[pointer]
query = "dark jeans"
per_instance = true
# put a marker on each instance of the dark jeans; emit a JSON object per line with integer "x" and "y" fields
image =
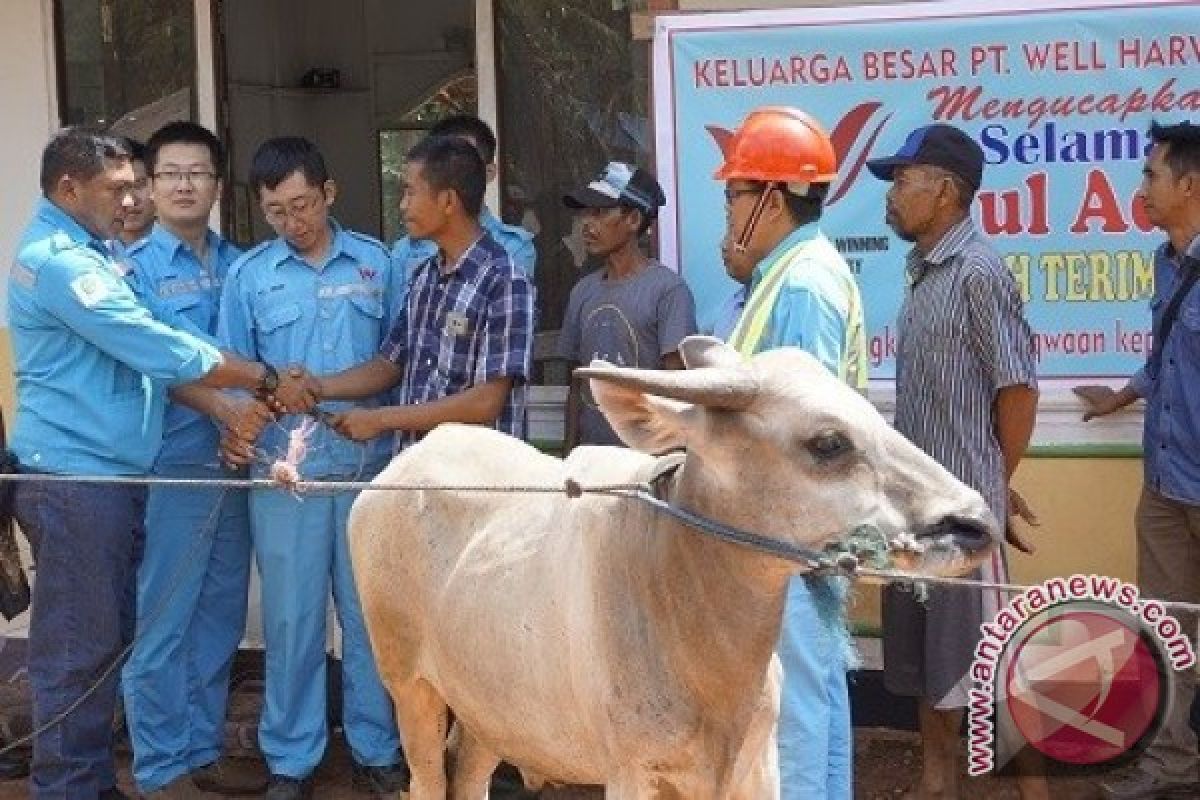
{"x": 86, "y": 540}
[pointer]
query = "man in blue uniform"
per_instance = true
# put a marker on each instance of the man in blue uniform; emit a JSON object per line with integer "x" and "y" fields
{"x": 409, "y": 253}
{"x": 90, "y": 363}
{"x": 193, "y": 581}
{"x": 318, "y": 295}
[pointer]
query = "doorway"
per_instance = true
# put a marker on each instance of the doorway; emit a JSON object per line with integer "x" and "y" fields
{"x": 362, "y": 79}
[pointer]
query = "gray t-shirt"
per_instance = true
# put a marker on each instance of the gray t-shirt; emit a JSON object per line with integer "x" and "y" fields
{"x": 631, "y": 322}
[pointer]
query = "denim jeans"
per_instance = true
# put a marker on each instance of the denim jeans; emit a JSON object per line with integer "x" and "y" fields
{"x": 86, "y": 541}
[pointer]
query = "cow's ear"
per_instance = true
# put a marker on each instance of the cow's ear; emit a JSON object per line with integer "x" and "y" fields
{"x": 643, "y": 421}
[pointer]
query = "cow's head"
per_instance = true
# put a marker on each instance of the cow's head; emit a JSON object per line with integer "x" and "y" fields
{"x": 794, "y": 453}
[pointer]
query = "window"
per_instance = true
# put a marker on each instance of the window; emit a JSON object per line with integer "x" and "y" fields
{"x": 126, "y": 65}
{"x": 573, "y": 95}
{"x": 458, "y": 95}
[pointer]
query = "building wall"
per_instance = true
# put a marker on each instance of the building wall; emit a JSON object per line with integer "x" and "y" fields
{"x": 27, "y": 96}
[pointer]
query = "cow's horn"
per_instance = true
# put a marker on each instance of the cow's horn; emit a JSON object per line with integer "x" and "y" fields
{"x": 705, "y": 351}
{"x": 711, "y": 387}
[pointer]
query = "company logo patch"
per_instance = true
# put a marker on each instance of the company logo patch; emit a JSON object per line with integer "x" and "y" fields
{"x": 89, "y": 289}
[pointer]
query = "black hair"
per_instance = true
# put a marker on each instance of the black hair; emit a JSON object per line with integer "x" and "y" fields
{"x": 81, "y": 153}
{"x": 278, "y": 158}
{"x": 471, "y": 127}
{"x": 806, "y": 208}
{"x": 447, "y": 162}
{"x": 1183, "y": 146}
{"x": 647, "y": 217}
{"x": 137, "y": 150}
{"x": 184, "y": 132}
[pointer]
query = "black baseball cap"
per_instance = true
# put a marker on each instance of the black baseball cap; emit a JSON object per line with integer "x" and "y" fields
{"x": 938, "y": 145}
{"x": 619, "y": 184}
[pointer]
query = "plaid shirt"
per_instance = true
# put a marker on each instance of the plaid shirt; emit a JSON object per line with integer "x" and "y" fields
{"x": 462, "y": 327}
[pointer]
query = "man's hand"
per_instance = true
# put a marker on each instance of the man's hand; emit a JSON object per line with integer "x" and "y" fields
{"x": 1100, "y": 400}
{"x": 234, "y": 451}
{"x": 1018, "y": 508}
{"x": 359, "y": 424}
{"x": 246, "y": 418}
{"x": 298, "y": 393}
{"x": 242, "y": 421}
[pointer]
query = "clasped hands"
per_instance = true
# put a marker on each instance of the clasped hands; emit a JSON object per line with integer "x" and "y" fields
{"x": 244, "y": 418}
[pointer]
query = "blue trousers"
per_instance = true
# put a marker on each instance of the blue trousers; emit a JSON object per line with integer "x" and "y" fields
{"x": 300, "y": 548}
{"x": 86, "y": 541}
{"x": 192, "y": 589}
{"x": 815, "y": 735}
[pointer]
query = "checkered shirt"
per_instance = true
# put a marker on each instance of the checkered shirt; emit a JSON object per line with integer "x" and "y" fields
{"x": 462, "y": 327}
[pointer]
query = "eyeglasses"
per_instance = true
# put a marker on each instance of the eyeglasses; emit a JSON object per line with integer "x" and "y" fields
{"x": 197, "y": 177}
{"x": 732, "y": 194}
{"x": 299, "y": 208}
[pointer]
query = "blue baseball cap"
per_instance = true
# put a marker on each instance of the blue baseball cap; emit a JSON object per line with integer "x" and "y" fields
{"x": 938, "y": 145}
{"x": 620, "y": 184}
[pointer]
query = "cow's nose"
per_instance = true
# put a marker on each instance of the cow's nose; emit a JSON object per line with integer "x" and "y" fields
{"x": 969, "y": 535}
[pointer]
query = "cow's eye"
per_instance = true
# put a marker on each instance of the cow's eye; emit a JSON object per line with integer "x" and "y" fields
{"x": 829, "y": 445}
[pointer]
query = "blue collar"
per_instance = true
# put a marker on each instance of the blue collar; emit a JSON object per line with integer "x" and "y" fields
{"x": 59, "y": 219}
{"x": 163, "y": 237}
{"x": 280, "y": 251}
{"x": 804, "y": 233}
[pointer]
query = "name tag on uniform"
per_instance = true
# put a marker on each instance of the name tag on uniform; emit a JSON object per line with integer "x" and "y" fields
{"x": 456, "y": 324}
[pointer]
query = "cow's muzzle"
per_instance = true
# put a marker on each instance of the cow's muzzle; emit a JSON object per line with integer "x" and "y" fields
{"x": 971, "y": 536}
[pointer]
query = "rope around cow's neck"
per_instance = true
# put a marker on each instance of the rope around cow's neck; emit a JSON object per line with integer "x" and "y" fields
{"x": 828, "y": 560}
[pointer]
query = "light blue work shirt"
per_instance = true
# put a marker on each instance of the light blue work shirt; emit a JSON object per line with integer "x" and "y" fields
{"x": 814, "y": 732}
{"x": 812, "y": 307}
{"x": 1171, "y": 437}
{"x": 184, "y": 293}
{"x": 278, "y": 308}
{"x": 409, "y": 253}
{"x": 728, "y": 313}
{"x": 91, "y": 362}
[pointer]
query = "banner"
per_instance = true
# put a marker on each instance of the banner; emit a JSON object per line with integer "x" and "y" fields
{"x": 1059, "y": 96}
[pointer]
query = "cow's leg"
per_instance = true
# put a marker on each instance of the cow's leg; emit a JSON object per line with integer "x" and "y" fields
{"x": 424, "y": 718}
{"x": 473, "y": 768}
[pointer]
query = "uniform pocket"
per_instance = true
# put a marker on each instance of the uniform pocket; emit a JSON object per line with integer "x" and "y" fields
{"x": 277, "y": 327}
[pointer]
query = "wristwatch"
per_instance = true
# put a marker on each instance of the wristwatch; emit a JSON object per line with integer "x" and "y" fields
{"x": 270, "y": 380}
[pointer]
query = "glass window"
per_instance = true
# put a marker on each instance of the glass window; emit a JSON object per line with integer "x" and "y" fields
{"x": 458, "y": 95}
{"x": 127, "y": 65}
{"x": 573, "y": 95}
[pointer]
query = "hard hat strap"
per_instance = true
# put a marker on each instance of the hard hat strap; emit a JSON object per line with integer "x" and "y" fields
{"x": 743, "y": 240}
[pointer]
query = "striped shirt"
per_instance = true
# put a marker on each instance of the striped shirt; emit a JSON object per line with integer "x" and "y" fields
{"x": 461, "y": 327}
{"x": 962, "y": 336}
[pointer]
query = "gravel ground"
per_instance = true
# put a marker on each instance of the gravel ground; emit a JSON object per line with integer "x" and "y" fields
{"x": 886, "y": 764}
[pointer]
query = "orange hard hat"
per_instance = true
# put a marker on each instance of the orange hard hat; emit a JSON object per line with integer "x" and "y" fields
{"x": 778, "y": 144}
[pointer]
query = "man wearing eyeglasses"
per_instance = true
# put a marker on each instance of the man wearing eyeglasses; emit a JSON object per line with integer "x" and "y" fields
{"x": 321, "y": 297}
{"x": 777, "y": 168}
{"x": 193, "y": 580}
{"x": 91, "y": 364}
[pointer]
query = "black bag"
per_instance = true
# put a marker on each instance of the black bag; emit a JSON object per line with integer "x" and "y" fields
{"x": 14, "y": 586}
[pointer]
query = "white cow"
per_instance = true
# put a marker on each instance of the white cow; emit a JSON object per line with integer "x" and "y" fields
{"x": 595, "y": 640}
